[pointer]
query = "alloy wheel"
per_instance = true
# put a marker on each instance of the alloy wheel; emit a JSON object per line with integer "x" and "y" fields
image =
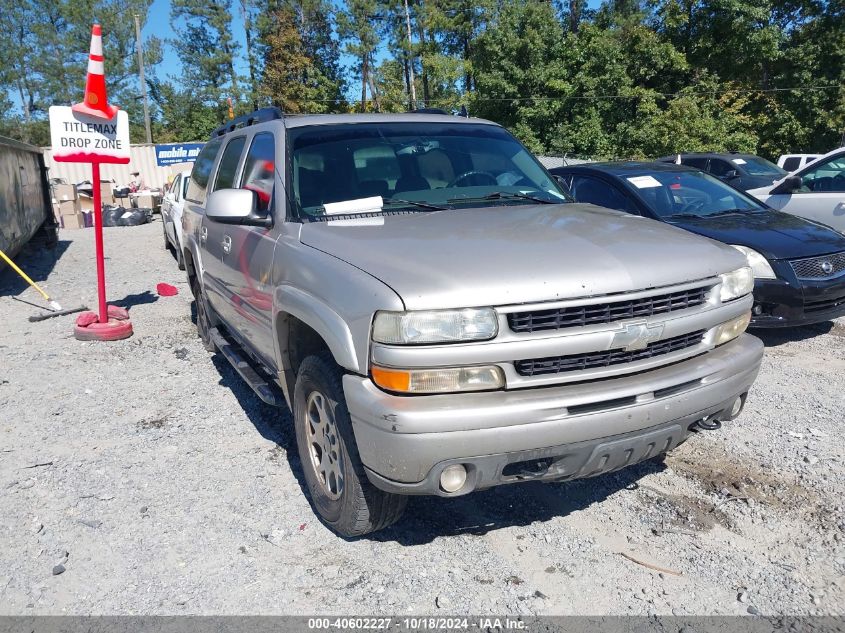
{"x": 324, "y": 444}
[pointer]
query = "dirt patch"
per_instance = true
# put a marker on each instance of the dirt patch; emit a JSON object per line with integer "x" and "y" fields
{"x": 155, "y": 423}
{"x": 730, "y": 478}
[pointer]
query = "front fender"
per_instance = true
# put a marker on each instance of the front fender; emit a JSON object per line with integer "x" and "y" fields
{"x": 323, "y": 319}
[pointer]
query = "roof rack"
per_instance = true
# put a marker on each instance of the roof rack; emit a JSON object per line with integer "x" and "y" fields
{"x": 429, "y": 111}
{"x": 259, "y": 116}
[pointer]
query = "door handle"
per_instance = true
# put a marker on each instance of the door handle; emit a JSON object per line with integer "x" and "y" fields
{"x": 227, "y": 244}
{"x": 203, "y": 234}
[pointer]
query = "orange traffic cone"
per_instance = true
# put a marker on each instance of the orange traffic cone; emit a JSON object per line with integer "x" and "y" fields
{"x": 96, "y": 100}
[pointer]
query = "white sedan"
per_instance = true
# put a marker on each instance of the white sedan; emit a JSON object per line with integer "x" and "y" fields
{"x": 171, "y": 215}
{"x": 815, "y": 192}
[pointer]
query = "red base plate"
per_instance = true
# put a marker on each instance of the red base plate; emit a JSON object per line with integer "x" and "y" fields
{"x": 88, "y": 327}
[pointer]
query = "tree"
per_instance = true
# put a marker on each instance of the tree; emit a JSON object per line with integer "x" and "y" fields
{"x": 207, "y": 50}
{"x": 301, "y": 71}
{"x": 356, "y": 27}
{"x": 44, "y": 53}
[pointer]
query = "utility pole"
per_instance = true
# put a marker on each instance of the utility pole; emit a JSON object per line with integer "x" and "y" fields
{"x": 411, "y": 60}
{"x": 141, "y": 75}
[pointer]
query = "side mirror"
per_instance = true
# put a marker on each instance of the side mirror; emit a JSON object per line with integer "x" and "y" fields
{"x": 730, "y": 175}
{"x": 790, "y": 184}
{"x": 236, "y": 206}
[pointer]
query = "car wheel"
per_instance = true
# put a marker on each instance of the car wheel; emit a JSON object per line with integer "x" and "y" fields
{"x": 203, "y": 322}
{"x": 340, "y": 492}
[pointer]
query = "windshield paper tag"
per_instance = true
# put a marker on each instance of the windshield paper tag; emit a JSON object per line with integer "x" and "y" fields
{"x": 644, "y": 182}
{"x": 360, "y": 205}
{"x": 738, "y": 161}
{"x": 379, "y": 221}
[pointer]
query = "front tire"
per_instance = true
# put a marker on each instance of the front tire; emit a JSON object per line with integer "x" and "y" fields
{"x": 340, "y": 492}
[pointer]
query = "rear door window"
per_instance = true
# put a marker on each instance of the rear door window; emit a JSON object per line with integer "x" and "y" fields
{"x": 792, "y": 163}
{"x": 603, "y": 194}
{"x": 229, "y": 164}
{"x": 721, "y": 168}
{"x": 695, "y": 161}
{"x": 201, "y": 172}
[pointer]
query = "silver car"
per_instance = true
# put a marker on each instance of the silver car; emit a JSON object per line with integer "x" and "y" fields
{"x": 441, "y": 318}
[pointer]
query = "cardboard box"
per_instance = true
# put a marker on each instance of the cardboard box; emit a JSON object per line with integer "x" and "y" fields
{"x": 86, "y": 202}
{"x": 144, "y": 201}
{"x": 126, "y": 202}
{"x": 68, "y": 207}
{"x": 64, "y": 192}
{"x": 75, "y": 221}
{"x": 107, "y": 191}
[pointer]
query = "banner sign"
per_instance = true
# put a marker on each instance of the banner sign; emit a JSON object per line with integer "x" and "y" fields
{"x": 83, "y": 138}
{"x": 176, "y": 153}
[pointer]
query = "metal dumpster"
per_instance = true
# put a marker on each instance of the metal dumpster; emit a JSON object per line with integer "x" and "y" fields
{"x": 25, "y": 201}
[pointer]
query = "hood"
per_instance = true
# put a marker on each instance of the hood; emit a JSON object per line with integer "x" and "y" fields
{"x": 518, "y": 254}
{"x": 773, "y": 234}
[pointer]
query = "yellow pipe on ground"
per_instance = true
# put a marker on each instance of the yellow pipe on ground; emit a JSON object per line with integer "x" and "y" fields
{"x": 53, "y": 304}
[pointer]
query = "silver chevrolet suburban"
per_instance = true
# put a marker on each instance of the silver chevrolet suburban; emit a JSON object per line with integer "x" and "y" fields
{"x": 441, "y": 318}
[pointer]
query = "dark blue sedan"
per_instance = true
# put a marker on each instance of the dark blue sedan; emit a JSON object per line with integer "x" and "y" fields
{"x": 799, "y": 265}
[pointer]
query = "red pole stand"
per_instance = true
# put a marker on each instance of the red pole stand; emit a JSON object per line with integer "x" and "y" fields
{"x": 98, "y": 237}
{"x": 112, "y": 323}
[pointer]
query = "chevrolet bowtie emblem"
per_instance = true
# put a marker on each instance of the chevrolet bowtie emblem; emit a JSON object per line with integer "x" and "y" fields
{"x": 636, "y": 336}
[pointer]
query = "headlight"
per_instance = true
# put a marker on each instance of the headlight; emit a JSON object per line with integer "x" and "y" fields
{"x": 435, "y": 326}
{"x": 731, "y": 329}
{"x": 439, "y": 380}
{"x": 736, "y": 283}
{"x": 760, "y": 266}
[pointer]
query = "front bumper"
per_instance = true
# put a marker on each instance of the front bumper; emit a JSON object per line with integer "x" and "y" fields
{"x": 792, "y": 303}
{"x": 584, "y": 429}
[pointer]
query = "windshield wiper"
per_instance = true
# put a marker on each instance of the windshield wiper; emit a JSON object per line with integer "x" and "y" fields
{"x": 728, "y": 212}
{"x": 691, "y": 216}
{"x": 506, "y": 195}
{"x": 414, "y": 203}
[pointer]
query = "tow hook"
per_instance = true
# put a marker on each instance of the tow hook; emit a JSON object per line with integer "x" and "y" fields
{"x": 712, "y": 423}
{"x": 708, "y": 424}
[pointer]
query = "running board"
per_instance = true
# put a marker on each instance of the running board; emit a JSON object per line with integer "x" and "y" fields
{"x": 268, "y": 392}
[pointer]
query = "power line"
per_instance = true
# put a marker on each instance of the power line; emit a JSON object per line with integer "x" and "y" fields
{"x": 583, "y": 97}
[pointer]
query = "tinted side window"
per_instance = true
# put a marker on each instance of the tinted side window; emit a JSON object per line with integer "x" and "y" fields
{"x": 229, "y": 164}
{"x": 792, "y": 163}
{"x": 598, "y": 192}
{"x": 720, "y": 167}
{"x": 829, "y": 176}
{"x": 259, "y": 169}
{"x": 698, "y": 163}
{"x": 202, "y": 171}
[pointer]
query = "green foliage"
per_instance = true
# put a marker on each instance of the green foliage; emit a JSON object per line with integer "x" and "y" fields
{"x": 631, "y": 79}
{"x": 301, "y": 61}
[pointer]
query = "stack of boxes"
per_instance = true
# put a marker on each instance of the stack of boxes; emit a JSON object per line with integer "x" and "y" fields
{"x": 74, "y": 209}
{"x": 67, "y": 207}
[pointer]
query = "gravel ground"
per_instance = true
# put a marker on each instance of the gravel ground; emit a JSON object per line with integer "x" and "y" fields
{"x": 143, "y": 477}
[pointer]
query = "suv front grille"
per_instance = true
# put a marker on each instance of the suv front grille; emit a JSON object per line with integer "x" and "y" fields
{"x": 822, "y": 267}
{"x": 598, "y": 313}
{"x": 577, "y": 362}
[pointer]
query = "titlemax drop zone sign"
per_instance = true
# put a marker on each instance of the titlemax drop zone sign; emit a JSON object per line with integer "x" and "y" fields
{"x": 81, "y": 138}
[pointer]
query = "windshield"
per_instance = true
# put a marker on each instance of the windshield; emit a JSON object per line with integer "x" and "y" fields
{"x": 757, "y": 166}
{"x": 689, "y": 193}
{"x": 412, "y": 166}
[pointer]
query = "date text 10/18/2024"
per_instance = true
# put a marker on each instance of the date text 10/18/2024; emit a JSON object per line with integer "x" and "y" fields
{"x": 417, "y": 624}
